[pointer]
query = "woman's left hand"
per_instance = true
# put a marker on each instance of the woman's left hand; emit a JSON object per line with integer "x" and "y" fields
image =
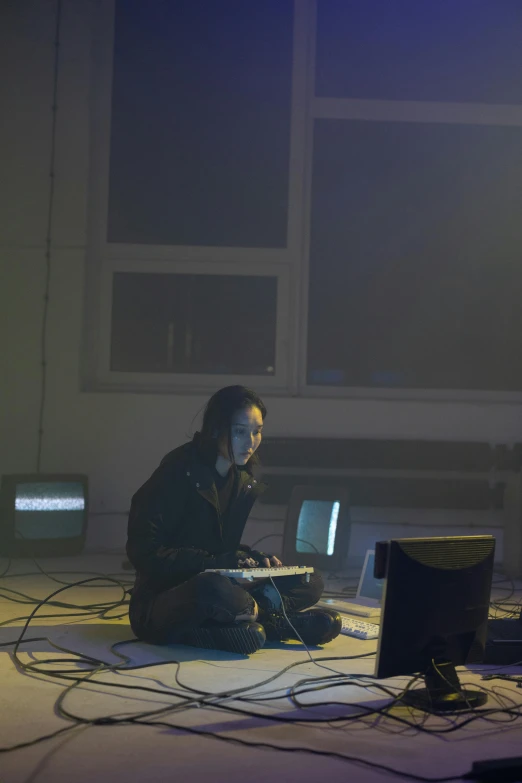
{"x": 274, "y": 561}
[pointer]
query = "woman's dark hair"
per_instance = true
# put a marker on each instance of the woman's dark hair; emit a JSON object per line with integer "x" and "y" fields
{"x": 217, "y": 417}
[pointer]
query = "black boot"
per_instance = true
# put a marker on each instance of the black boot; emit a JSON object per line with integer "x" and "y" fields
{"x": 314, "y": 626}
{"x": 245, "y": 638}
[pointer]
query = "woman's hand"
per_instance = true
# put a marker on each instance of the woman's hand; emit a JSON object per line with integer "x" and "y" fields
{"x": 249, "y": 562}
{"x": 266, "y": 560}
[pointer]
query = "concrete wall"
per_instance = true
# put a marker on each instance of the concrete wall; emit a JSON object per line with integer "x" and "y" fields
{"x": 116, "y": 438}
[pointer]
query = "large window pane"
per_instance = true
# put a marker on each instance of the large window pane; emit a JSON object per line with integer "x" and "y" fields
{"x": 431, "y": 50}
{"x": 415, "y": 267}
{"x": 201, "y": 122}
{"x": 182, "y": 323}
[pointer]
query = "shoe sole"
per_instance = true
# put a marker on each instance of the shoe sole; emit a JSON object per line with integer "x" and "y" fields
{"x": 320, "y": 637}
{"x": 334, "y": 633}
{"x": 312, "y": 641}
{"x": 235, "y": 638}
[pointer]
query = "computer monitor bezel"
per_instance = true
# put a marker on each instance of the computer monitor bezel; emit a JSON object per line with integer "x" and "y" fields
{"x": 10, "y": 546}
{"x": 401, "y": 608}
{"x": 321, "y": 561}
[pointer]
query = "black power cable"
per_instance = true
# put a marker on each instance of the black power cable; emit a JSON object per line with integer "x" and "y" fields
{"x": 48, "y": 240}
{"x": 218, "y": 700}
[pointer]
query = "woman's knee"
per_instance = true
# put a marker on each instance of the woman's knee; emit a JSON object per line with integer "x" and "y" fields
{"x": 227, "y": 599}
{"x": 210, "y": 584}
{"x": 250, "y": 614}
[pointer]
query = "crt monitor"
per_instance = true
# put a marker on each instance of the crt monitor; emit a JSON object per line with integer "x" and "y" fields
{"x": 317, "y": 528}
{"x": 434, "y": 614}
{"x": 43, "y": 514}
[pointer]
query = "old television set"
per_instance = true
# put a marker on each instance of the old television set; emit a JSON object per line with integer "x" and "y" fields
{"x": 434, "y": 615}
{"x": 43, "y": 514}
{"x": 317, "y": 527}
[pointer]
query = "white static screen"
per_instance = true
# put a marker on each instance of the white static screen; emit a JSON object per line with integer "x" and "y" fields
{"x": 317, "y": 526}
{"x": 49, "y": 509}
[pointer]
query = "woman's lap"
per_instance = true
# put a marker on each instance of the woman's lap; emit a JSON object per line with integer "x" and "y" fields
{"x": 210, "y": 596}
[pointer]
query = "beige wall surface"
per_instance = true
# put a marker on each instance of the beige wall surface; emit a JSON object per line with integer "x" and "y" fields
{"x": 116, "y": 438}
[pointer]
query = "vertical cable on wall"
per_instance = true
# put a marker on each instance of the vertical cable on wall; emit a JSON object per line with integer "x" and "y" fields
{"x": 54, "y": 113}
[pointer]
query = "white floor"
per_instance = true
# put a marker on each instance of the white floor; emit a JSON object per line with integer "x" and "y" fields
{"x": 175, "y": 748}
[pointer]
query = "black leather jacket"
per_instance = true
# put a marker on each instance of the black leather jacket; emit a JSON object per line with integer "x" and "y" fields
{"x": 175, "y": 529}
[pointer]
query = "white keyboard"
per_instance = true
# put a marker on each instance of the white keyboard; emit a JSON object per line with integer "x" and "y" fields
{"x": 358, "y": 609}
{"x": 262, "y": 573}
{"x": 359, "y": 629}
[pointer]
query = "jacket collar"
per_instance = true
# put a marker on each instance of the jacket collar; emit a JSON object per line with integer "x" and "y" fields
{"x": 201, "y": 471}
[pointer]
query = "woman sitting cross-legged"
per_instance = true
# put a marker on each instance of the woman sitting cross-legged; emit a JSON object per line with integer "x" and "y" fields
{"x": 189, "y": 516}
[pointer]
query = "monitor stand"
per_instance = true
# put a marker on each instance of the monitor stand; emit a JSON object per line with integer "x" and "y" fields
{"x": 443, "y": 692}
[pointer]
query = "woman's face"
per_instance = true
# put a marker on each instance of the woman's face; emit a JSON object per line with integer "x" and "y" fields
{"x": 246, "y": 433}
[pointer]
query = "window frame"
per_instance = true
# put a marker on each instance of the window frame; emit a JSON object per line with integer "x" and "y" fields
{"x": 292, "y": 263}
{"x": 102, "y": 257}
{"x": 386, "y": 111}
{"x": 164, "y": 380}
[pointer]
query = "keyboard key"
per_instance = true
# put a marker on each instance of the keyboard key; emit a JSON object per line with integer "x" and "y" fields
{"x": 359, "y": 629}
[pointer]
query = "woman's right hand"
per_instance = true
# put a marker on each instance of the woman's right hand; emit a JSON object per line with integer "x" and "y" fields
{"x": 248, "y": 562}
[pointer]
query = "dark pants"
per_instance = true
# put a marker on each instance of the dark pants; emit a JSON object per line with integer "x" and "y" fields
{"x": 210, "y": 597}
